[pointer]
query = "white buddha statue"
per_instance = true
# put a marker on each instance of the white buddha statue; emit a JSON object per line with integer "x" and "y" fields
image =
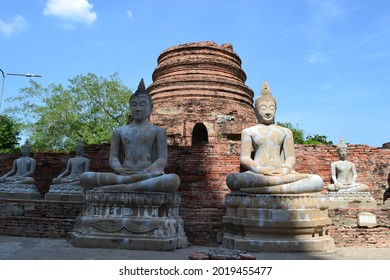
{"x": 344, "y": 173}
{"x": 271, "y": 171}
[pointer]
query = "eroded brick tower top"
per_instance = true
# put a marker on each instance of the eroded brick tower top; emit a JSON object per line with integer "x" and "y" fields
{"x": 199, "y": 94}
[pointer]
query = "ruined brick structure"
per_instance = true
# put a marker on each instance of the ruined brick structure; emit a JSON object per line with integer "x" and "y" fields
{"x": 199, "y": 94}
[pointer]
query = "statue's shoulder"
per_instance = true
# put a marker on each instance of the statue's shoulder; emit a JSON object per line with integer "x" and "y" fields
{"x": 30, "y": 159}
{"x": 283, "y": 128}
{"x": 157, "y": 128}
{"x": 122, "y": 129}
{"x": 119, "y": 129}
{"x": 252, "y": 129}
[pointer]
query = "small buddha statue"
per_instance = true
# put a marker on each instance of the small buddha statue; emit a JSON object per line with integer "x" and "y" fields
{"x": 145, "y": 154}
{"x": 344, "y": 173}
{"x": 74, "y": 168}
{"x": 22, "y": 169}
{"x": 271, "y": 170}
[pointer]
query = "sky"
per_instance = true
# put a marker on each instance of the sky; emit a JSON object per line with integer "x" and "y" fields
{"x": 327, "y": 62}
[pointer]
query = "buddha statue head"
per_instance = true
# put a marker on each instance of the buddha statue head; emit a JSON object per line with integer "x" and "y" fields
{"x": 26, "y": 149}
{"x": 342, "y": 149}
{"x": 79, "y": 148}
{"x": 141, "y": 103}
{"x": 265, "y": 106}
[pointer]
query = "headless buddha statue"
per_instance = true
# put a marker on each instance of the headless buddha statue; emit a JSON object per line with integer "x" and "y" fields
{"x": 271, "y": 171}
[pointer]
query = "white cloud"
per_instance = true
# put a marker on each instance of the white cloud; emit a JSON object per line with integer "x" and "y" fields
{"x": 72, "y": 10}
{"x": 15, "y": 25}
{"x": 129, "y": 14}
{"x": 316, "y": 57}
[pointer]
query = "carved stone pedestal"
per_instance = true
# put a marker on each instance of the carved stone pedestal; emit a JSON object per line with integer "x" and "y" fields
{"x": 65, "y": 192}
{"x": 343, "y": 199}
{"x": 131, "y": 220}
{"x": 19, "y": 191}
{"x": 277, "y": 223}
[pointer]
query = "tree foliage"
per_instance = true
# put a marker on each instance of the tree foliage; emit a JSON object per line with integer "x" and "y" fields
{"x": 9, "y": 134}
{"x": 300, "y": 136}
{"x": 88, "y": 109}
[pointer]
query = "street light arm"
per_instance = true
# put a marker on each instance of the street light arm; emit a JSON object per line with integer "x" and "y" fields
{"x": 30, "y": 75}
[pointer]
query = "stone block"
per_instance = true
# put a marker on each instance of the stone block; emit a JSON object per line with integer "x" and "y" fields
{"x": 19, "y": 191}
{"x": 363, "y": 200}
{"x": 65, "y": 192}
{"x": 366, "y": 219}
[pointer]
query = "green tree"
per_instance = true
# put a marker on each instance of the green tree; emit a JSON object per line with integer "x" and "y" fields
{"x": 9, "y": 134}
{"x": 317, "y": 139}
{"x": 89, "y": 108}
{"x": 300, "y": 136}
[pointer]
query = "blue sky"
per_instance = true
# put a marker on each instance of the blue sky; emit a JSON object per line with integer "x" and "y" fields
{"x": 326, "y": 62}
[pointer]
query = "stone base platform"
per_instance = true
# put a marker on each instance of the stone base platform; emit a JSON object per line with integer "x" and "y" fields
{"x": 221, "y": 254}
{"x": 131, "y": 220}
{"x": 277, "y": 223}
{"x": 65, "y": 192}
{"x": 19, "y": 191}
{"x": 343, "y": 200}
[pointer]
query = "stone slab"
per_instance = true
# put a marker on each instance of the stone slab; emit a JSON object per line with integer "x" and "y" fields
{"x": 19, "y": 191}
{"x": 20, "y": 195}
{"x": 65, "y": 192}
{"x": 323, "y": 244}
{"x": 363, "y": 200}
{"x": 366, "y": 219}
{"x": 128, "y": 243}
{"x": 64, "y": 197}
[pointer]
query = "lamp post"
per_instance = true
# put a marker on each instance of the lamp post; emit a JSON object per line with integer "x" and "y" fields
{"x": 29, "y": 75}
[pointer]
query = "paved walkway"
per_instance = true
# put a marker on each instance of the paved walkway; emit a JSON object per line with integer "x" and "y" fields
{"x": 27, "y": 248}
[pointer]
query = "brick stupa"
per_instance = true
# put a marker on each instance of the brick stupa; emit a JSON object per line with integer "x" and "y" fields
{"x": 199, "y": 94}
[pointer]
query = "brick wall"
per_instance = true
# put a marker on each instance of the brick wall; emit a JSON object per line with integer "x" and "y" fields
{"x": 202, "y": 170}
{"x": 38, "y": 218}
{"x": 372, "y": 164}
{"x": 346, "y": 233}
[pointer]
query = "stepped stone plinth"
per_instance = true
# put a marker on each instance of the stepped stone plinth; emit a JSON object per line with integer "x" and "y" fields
{"x": 65, "y": 192}
{"x": 130, "y": 220}
{"x": 19, "y": 191}
{"x": 277, "y": 223}
{"x": 344, "y": 199}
